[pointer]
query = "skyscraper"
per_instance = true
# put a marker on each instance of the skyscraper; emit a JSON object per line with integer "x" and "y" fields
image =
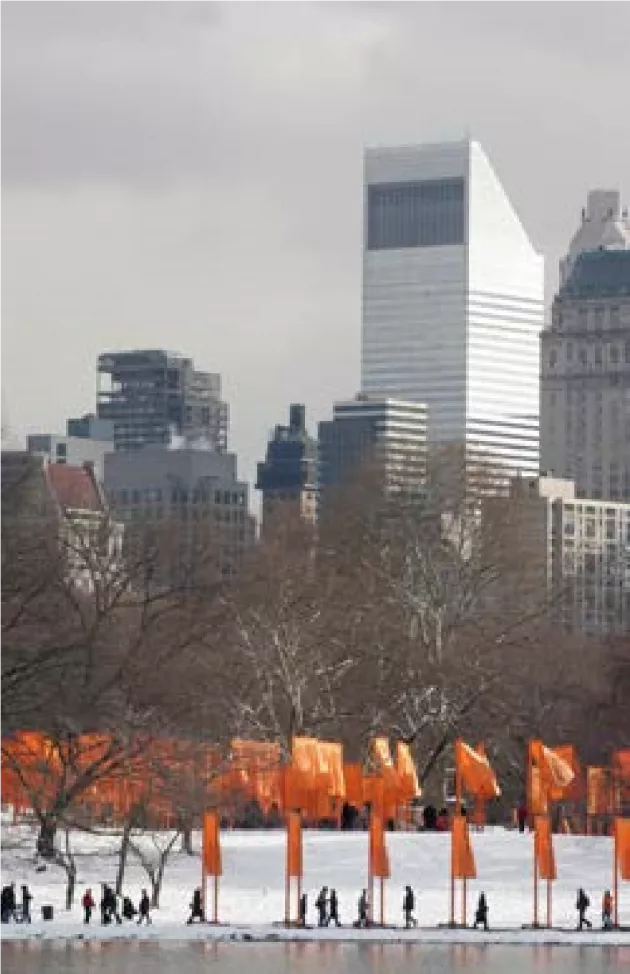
{"x": 155, "y": 397}
{"x": 453, "y": 299}
{"x": 288, "y": 475}
{"x": 585, "y": 357}
{"x": 365, "y": 432}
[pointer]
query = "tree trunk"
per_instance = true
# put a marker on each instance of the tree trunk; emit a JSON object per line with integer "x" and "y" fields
{"x": 71, "y": 883}
{"x": 187, "y": 839}
{"x": 156, "y": 881}
{"x": 122, "y": 857}
{"x": 46, "y": 837}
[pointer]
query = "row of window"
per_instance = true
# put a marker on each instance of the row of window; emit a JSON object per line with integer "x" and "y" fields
{"x": 611, "y": 354}
{"x": 593, "y": 318}
{"x": 177, "y": 495}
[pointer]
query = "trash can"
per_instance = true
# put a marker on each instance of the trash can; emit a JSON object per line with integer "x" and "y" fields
{"x": 47, "y": 912}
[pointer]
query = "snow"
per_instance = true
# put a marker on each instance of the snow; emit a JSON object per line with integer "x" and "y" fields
{"x": 251, "y": 898}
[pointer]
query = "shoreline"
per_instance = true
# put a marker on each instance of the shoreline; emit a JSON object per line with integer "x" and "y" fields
{"x": 75, "y": 934}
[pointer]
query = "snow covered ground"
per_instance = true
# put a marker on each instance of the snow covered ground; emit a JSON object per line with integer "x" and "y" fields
{"x": 251, "y": 897}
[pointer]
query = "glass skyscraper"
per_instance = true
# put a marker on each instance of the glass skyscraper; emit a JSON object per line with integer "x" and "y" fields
{"x": 453, "y": 299}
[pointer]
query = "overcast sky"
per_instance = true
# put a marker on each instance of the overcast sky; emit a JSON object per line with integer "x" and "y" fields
{"x": 189, "y": 175}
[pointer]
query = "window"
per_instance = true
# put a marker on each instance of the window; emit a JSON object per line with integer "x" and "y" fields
{"x": 598, "y": 355}
{"x": 569, "y": 351}
{"x": 61, "y": 451}
{"x": 614, "y": 354}
{"x": 553, "y": 358}
{"x": 429, "y": 213}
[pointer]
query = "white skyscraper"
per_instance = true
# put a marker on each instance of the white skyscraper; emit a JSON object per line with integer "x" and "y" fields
{"x": 453, "y": 299}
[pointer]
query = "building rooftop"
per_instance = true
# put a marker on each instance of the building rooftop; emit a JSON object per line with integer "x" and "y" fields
{"x": 599, "y": 273}
{"x": 74, "y": 488}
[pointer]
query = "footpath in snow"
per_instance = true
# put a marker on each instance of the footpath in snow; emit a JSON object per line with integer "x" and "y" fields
{"x": 251, "y": 899}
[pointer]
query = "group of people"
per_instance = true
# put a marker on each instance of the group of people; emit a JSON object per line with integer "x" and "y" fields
{"x": 115, "y": 907}
{"x": 582, "y": 904}
{"x": 9, "y": 909}
{"x": 327, "y": 906}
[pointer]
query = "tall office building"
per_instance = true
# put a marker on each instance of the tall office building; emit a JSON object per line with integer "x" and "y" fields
{"x": 368, "y": 432}
{"x": 288, "y": 475}
{"x": 585, "y": 357}
{"x": 453, "y": 299}
{"x": 156, "y": 397}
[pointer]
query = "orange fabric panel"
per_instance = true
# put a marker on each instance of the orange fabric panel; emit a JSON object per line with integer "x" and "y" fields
{"x": 475, "y": 772}
{"x": 212, "y": 844}
{"x": 295, "y": 795}
{"x": 379, "y": 858}
{"x": 330, "y": 765}
{"x": 294, "y": 845}
{"x": 556, "y": 773}
{"x": 463, "y": 858}
{"x": 353, "y": 775}
{"x": 597, "y": 791}
{"x": 622, "y": 841}
{"x": 543, "y": 847}
{"x": 373, "y": 792}
{"x": 572, "y": 791}
{"x": 538, "y": 804}
{"x": 621, "y": 764}
{"x": 408, "y": 786}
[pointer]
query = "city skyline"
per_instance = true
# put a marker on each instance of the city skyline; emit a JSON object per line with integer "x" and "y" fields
{"x": 176, "y": 218}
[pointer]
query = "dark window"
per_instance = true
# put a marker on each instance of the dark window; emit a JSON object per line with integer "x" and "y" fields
{"x": 62, "y": 451}
{"x": 418, "y": 214}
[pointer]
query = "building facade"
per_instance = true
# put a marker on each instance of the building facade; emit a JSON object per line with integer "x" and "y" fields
{"x": 156, "y": 397}
{"x": 191, "y": 500}
{"x": 582, "y": 547}
{"x": 42, "y": 496}
{"x": 287, "y": 478}
{"x": 453, "y": 300}
{"x": 389, "y": 434}
{"x": 72, "y": 451}
{"x": 585, "y": 364}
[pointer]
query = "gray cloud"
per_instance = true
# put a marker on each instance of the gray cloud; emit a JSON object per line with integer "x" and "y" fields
{"x": 190, "y": 174}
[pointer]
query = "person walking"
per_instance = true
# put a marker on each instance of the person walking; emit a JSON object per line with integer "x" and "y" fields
{"x": 408, "y": 908}
{"x": 521, "y": 816}
{"x": 481, "y": 913}
{"x": 144, "y": 908}
{"x": 333, "y": 909}
{"x": 321, "y": 904}
{"x": 364, "y": 905}
{"x": 88, "y": 905}
{"x": 196, "y": 908}
{"x": 9, "y": 904}
{"x": 128, "y": 909}
{"x": 607, "y": 910}
{"x": 582, "y": 904}
{"x": 26, "y": 904}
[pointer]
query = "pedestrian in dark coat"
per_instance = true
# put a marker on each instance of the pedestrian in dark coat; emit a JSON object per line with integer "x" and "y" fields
{"x": 481, "y": 913}
{"x": 26, "y": 904}
{"x": 582, "y": 904}
{"x": 333, "y": 909}
{"x": 322, "y": 904}
{"x": 128, "y": 909}
{"x": 105, "y": 906}
{"x": 144, "y": 908}
{"x": 409, "y": 903}
{"x": 88, "y": 905}
{"x": 196, "y": 908}
{"x": 363, "y": 909}
{"x": 8, "y": 905}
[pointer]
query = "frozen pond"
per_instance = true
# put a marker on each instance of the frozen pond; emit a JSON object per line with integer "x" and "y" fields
{"x": 309, "y": 958}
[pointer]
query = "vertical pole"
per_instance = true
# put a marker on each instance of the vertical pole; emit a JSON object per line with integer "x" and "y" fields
{"x": 371, "y": 897}
{"x": 204, "y": 882}
{"x": 549, "y": 904}
{"x": 382, "y": 902}
{"x": 287, "y": 884}
{"x": 299, "y": 897}
{"x": 464, "y": 902}
{"x": 452, "y": 917}
{"x": 535, "y": 923}
{"x": 615, "y": 876}
{"x": 215, "y": 909}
